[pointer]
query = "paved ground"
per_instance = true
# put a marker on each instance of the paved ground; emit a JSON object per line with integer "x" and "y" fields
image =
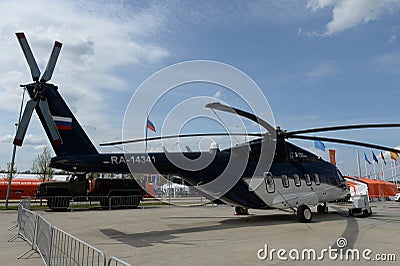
{"x": 211, "y": 235}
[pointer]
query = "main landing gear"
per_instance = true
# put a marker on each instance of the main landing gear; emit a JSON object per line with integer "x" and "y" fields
{"x": 304, "y": 213}
{"x": 322, "y": 208}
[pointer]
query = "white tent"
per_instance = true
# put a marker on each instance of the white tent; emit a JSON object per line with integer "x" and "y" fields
{"x": 174, "y": 189}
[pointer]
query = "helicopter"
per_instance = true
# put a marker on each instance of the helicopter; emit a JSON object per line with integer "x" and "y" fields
{"x": 267, "y": 172}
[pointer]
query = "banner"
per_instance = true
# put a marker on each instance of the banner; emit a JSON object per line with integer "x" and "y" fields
{"x": 332, "y": 156}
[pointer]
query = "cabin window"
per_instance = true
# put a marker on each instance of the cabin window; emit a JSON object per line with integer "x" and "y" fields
{"x": 316, "y": 179}
{"x": 285, "y": 181}
{"x": 296, "y": 180}
{"x": 308, "y": 179}
{"x": 269, "y": 182}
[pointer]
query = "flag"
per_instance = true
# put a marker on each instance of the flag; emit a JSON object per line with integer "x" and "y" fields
{"x": 151, "y": 126}
{"x": 319, "y": 145}
{"x": 374, "y": 157}
{"x": 332, "y": 156}
{"x": 366, "y": 158}
{"x": 394, "y": 155}
{"x": 383, "y": 158}
{"x": 63, "y": 123}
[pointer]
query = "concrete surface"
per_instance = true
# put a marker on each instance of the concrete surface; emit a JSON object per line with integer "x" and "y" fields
{"x": 211, "y": 235}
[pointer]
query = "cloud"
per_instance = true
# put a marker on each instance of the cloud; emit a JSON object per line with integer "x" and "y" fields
{"x": 218, "y": 94}
{"x": 347, "y": 14}
{"x": 103, "y": 43}
{"x": 326, "y": 69}
{"x": 389, "y": 63}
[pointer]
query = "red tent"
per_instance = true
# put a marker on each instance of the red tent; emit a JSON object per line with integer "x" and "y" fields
{"x": 378, "y": 188}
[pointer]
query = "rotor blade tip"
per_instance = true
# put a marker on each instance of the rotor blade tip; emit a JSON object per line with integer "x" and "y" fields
{"x": 57, "y": 44}
{"x": 20, "y": 35}
{"x": 17, "y": 142}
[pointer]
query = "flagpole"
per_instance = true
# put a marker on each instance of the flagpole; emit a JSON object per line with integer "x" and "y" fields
{"x": 374, "y": 171}
{"x": 392, "y": 166}
{"x": 147, "y": 118}
{"x": 366, "y": 171}
{"x": 359, "y": 165}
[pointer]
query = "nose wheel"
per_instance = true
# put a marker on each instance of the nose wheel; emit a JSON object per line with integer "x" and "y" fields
{"x": 304, "y": 214}
{"x": 241, "y": 211}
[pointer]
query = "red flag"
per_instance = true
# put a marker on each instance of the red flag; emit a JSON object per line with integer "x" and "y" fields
{"x": 332, "y": 156}
{"x": 151, "y": 126}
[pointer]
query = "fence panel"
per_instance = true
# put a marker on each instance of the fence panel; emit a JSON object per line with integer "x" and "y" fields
{"x": 26, "y": 203}
{"x": 69, "y": 250}
{"x": 132, "y": 201}
{"x": 115, "y": 261}
{"x": 43, "y": 238}
{"x": 27, "y": 226}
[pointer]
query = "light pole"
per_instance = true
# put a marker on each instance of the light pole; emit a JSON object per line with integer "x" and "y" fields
{"x": 11, "y": 171}
{"x": 13, "y": 153}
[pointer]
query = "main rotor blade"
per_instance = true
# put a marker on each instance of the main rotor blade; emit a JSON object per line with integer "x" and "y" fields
{"x": 55, "y": 135}
{"x": 23, "y": 124}
{"x": 344, "y": 141}
{"x": 334, "y": 128}
{"x": 252, "y": 117}
{"x": 35, "y": 72}
{"x": 181, "y": 136}
{"x": 48, "y": 73}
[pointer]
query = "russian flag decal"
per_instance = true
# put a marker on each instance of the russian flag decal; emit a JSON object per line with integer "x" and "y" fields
{"x": 63, "y": 123}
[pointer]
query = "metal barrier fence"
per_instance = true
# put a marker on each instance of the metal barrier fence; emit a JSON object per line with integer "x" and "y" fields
{"x": 62, "y": 203}
{"x": 115, "y": 261}
{"x": 69, "y": 250}
{"x": 43, "y": 238}
{"x": 26, "y": 203}
{"x": 55, "y": 246}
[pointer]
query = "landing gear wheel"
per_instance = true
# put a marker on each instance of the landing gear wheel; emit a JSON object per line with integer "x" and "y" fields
{"x": 241, "y": 211}
{"x": 322, "y": 209}
{"x": 304, "y": 214}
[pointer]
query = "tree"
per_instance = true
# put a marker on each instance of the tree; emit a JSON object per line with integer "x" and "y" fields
{"x": 41, "y": 165}
{"x": 6, "y": 173}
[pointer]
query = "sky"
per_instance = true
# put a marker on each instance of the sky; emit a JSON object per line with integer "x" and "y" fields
{"x": 317, "y": 62}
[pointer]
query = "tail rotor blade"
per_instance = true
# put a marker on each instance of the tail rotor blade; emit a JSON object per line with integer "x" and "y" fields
{"x": 23, "y": 124}
{"x": 52, "y": 62}
{"x": 29, "y": 56}
{"x": 55, "y": 136}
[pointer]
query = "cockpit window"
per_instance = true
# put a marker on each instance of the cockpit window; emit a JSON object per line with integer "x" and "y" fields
{"x": 341, "y": 178}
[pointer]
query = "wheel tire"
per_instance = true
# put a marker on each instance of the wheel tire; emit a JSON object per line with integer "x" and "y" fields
{"x": 320, "y": 209}
{"x": 241, "y": 211}
{"x": 304, "y": 214}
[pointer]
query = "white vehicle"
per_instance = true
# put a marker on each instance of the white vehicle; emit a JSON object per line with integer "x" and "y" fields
{"x": 397, "y": 197}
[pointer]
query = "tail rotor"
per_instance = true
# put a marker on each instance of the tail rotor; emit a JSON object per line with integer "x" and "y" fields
{"x": 38, "y": 100}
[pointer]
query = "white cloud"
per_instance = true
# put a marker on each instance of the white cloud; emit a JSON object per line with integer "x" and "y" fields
{"x": 218, "y": 94}
{"x": 389, "y": 63}
{"x": 351, "y": 13}
{"x": 326, "y": 69}
{"x": 104, "y": 44}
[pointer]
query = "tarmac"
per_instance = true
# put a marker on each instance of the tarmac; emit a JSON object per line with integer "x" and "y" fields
{"x": 212, "y": 235}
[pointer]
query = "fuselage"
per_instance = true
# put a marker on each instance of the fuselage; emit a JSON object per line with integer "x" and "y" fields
{"x": 295, "y": 175}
